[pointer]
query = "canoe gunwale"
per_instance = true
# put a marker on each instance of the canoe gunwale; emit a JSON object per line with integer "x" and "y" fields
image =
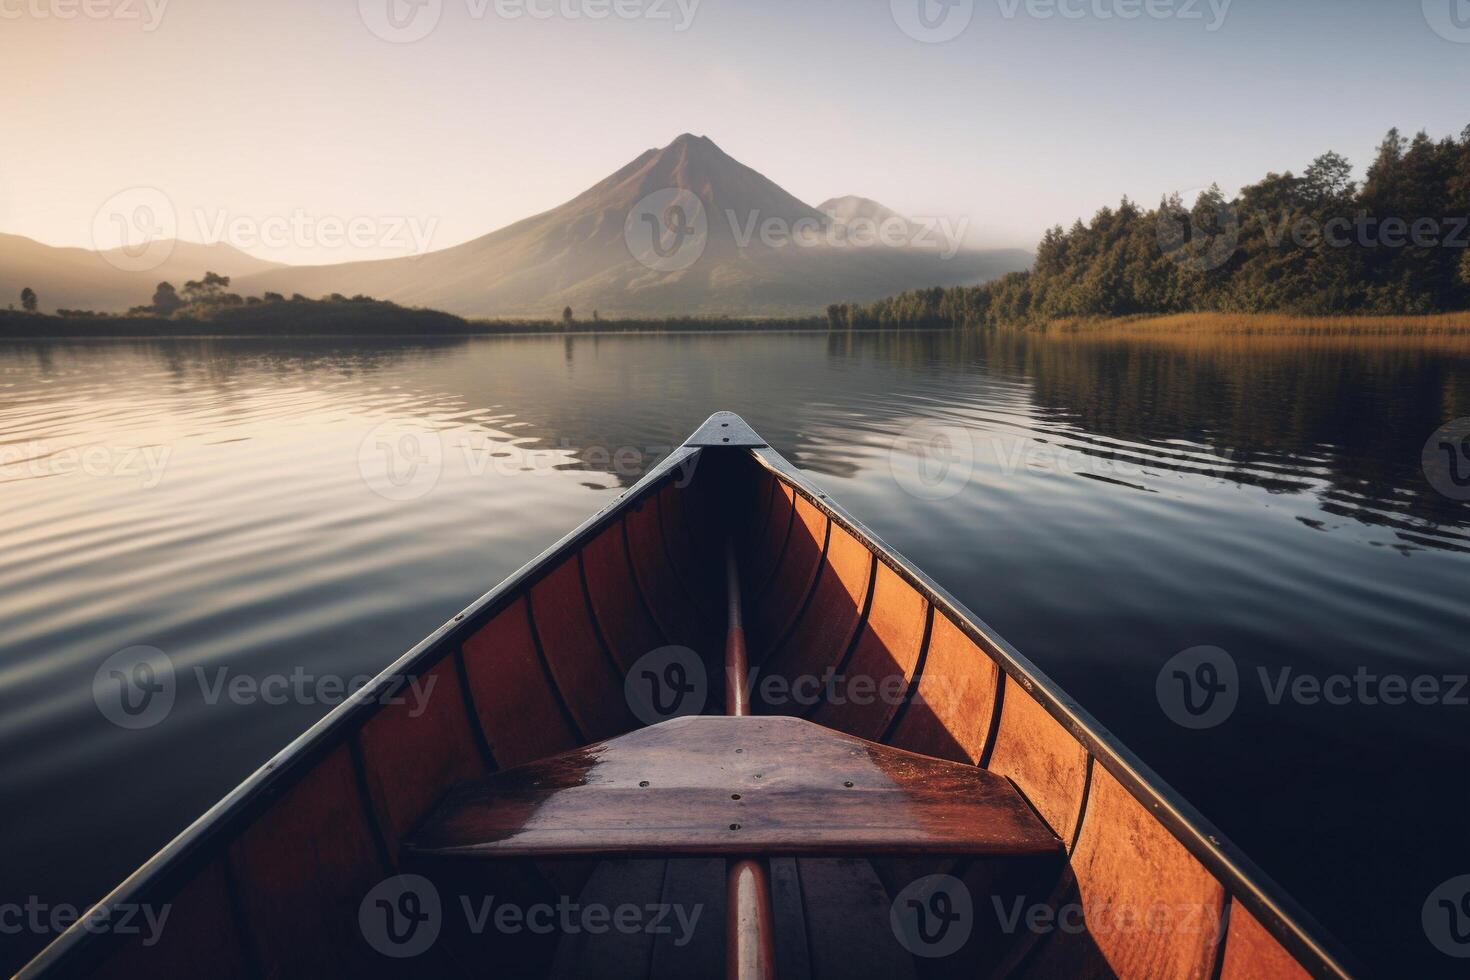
{"x": 1243, "y": 880}
{"x": 190, "y": 850}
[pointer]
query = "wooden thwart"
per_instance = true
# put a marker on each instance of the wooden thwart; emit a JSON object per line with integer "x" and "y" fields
{"x": 749, "y": 786}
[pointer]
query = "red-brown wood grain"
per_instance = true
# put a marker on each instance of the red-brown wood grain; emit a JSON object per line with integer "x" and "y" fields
{"x": 302, "y": 869}
{"x": 584, "y": 673}
{"x": 825, "y": 629}
{"x": 1251, "y": 953}
{"x": 1150, "y": 909}
{"x": 679, "y": 619}
{"x": 950, "y": 714}
{"x": 741, "y": 786}
{"x": 768, "y": 551}
{"x": 625, "y": 623}
{"x": 1046, "y": 762}
{"x": 515, "y": 701}
{"x": 887, "y": 651}
{"x": 198, "y": 935}
{"x": 416, "y": 747}
{"x": 772, "y": 614}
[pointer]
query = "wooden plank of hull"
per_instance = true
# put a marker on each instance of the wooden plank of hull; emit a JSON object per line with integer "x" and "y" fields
{"x": 409, "y": 758}
{"x": 302, "y": 869}
{"x": 668, "y": 597}
{"x": 886, "y": 654}
{"x": 1046, "y": 762}
{"x": 793, "y": 956}
{"x": 763, "y": 499}
{"x": 950, "y": 714}
{"x": 199, "y": 936}
{"x": 693, "y": 558}
{"x": 1149, "y": 909}
{"x": 515, "y": 698}
{"x": 1251, "y": 953}
{"x": 584, "y": 673}
{"x": 827, "y": 624}
{"x": 620, "y": 609}
{"x": 694, "y": 887}
{"x": 847, "y": 922}
{"x": 768, "y": 551}
{"x": 772, "y": 615}
{"x": 473, "y": 941}
{"x": 619, "y": 954}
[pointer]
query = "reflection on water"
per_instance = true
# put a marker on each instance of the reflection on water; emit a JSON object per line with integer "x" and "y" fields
{"x": 254, "y": 509}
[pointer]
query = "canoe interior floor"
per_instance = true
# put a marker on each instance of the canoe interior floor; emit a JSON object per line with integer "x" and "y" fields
{"x": 831, "y": 921}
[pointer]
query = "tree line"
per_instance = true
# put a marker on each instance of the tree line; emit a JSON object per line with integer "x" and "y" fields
{"x": 1315, "y": 244}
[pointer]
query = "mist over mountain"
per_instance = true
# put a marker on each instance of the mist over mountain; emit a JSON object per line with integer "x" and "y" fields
{"x": 851, "y": 210}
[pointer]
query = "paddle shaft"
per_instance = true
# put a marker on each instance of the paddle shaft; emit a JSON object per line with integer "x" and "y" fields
{"x": 750, "y": 952}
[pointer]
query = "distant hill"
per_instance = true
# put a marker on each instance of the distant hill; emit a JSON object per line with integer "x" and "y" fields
{"x": 579, "y": 254}
{"x": 77, "y": 278}
{"x": 851, "y": 209}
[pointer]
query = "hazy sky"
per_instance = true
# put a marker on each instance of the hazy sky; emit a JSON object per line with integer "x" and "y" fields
{"x": 285, "y": 124}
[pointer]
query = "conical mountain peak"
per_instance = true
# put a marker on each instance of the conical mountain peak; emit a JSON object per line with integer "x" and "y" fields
{"x": 579, "y": 254}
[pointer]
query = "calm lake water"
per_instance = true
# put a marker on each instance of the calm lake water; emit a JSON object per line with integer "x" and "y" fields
{"x": 1112, "y": 504}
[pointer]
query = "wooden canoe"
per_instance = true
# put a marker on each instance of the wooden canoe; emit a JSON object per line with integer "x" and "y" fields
{"x": 894, "y": 772}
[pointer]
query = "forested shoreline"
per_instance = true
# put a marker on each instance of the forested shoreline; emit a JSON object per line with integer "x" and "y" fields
{"x": 1318, "y": 244}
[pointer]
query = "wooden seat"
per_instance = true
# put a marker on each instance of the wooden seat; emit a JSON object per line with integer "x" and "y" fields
{"x": 726, "y": 786}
